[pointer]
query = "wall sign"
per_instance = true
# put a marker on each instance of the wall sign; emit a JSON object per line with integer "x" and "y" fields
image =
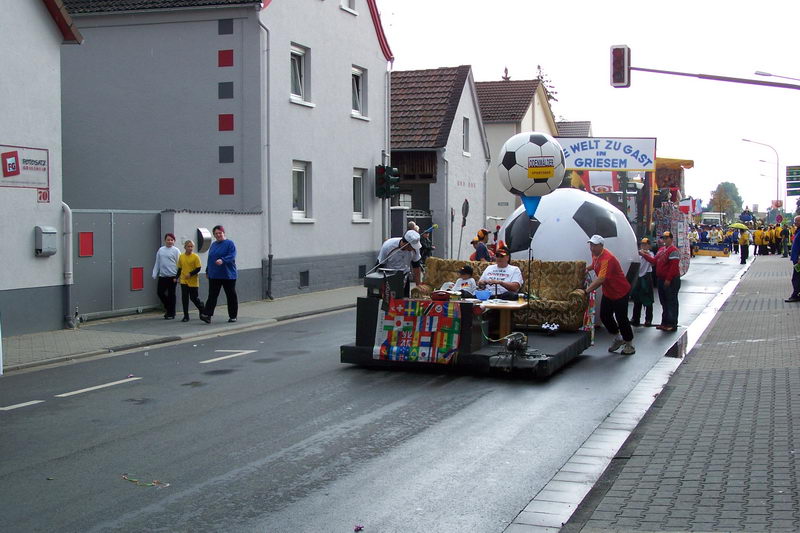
{"x": 613, "y": 153}
{"x": 24, "y": 167}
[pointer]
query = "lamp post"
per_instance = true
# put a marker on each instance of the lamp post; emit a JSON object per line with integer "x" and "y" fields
{"x": 762, "y": 73}
{"x": 777, "y": 167}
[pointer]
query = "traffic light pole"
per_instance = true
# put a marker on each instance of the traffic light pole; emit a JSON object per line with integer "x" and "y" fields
{"x": 719, "y": 78}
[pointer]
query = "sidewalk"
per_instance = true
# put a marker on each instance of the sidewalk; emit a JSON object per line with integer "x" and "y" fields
{"x": 112, "y": 335}
{"x": 719, "y": 450}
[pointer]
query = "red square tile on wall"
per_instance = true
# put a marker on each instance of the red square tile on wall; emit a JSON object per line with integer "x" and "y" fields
{"x": 137, "y": 278}
{"x": 225, "y": 58}
{"x": 226, "y": 186}
{"x": 226, "y": 122}
{"x": 85, "y": 244}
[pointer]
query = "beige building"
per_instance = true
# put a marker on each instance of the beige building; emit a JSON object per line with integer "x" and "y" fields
{"x": 510, "y": 107}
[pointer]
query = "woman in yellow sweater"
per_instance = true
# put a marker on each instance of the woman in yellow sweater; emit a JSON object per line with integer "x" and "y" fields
{"x": 188, "y": 268}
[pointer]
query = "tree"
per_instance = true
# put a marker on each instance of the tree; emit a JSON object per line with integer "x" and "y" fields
{"x": 547, "y": 83}
{"x": 725, "y": 199}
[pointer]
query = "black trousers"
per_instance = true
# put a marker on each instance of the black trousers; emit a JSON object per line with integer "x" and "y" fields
{"x": 190, "y": 293}
{"x": 795, "y": 283}
{"x": 166, "y": 293}
{"x": 637, "y": 313}
{"x": 614, "y": 316}
{"x": 214, "y": 286}
{"x": 745, "y": 253}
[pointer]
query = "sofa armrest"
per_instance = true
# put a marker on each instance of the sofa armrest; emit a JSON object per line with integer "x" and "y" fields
{"x": 421, "y": 291}
{"x": 578, "y": 300}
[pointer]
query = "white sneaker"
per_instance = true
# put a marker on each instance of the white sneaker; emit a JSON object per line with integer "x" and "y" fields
{"x": 616, "y": 346}
{"x": 628, "y": 349}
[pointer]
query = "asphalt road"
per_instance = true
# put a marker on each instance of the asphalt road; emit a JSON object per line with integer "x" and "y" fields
{"x": 282, "y": 437}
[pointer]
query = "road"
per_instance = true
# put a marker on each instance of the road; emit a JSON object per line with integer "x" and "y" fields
{"x": 279, "y": 436}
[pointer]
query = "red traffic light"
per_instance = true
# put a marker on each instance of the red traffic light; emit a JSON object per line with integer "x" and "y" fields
{"x": 620, "y": 66}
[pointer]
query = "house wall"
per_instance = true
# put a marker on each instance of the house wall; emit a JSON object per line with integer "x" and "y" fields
{"x": 31, "y": 288}
{"x": 465, "y": 180}
{"x": 499, "y": 202}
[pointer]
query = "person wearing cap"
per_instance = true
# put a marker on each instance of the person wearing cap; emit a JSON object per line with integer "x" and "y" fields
{"x": 465, "y": 282}
{"x": 502, "y": 279}
{"x": 614, "y": 303}
{"x": 402, "y": 253}
{"x": 642, "y": 291}
{"x": 667, "y": 262}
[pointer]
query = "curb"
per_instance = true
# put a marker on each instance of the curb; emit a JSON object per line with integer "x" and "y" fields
{"x": 175, "y": 338}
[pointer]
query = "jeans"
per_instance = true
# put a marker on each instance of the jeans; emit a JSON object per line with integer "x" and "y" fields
{"x": 637, "y": 313}
{"x": 668, "y": 296}
{"x": 795, "y": 283}
{"x": 614, "y": 316}
{"x": 229, "y": 285}
{"x": 166, "y": 293}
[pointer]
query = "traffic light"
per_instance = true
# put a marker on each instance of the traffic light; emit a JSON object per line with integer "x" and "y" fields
{"x": 380, "y": 181}
{"x": 392, "y": 182}
{"x": 620, "y": 66}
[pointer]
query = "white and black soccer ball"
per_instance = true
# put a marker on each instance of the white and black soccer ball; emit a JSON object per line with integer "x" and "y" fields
{"x": 563, "y": 223}
{"x": 531, "y": 164}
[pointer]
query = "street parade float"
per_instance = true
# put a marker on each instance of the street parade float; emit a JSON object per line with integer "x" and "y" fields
{"x": 552, "y": 322}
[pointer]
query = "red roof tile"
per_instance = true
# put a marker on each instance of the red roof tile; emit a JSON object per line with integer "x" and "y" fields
{"x": 424, "y": 103}
{"x": 506, "y": 100}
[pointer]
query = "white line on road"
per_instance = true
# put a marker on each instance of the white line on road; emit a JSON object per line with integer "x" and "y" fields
{"x": 96, "y": 387}
{"x": 18, "y": 405}
{"x": 233, "y": 353}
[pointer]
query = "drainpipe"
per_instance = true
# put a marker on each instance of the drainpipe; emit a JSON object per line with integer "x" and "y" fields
{"x": 265, "y": 155}
{"x": 447, "y": 201}
{"x": 70, "y": 318}
{"x": 386, "y": 223}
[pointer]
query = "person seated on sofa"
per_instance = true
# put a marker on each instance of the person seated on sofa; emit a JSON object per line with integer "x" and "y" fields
{"x": 465, "y": 284}
{"x": 502, "y": 279}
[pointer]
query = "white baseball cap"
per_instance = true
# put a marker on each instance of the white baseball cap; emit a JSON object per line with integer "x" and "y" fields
{"x": 412, "y": 238}
{"x": 596, "y": 239}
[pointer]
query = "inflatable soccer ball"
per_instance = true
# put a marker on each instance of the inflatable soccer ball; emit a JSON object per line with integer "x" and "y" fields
{"x": 562, "y": 226}
{"x": 531, "y": 164}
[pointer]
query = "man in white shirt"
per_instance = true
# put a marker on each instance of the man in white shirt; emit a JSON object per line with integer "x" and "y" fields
{"x": 502, "y": 279}
{"x": 402, "y": 253}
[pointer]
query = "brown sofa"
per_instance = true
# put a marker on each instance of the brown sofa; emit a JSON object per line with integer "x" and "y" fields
{"x": 555, "y": 286}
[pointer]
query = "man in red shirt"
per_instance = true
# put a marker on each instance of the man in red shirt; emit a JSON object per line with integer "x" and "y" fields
{"x": 614, "y": 304}
{"x": 667, "y": 262}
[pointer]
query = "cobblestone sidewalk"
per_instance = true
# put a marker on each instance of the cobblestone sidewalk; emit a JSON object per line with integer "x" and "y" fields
{"x": 720, "y": 448}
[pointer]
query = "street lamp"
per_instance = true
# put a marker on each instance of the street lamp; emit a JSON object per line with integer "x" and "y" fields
{"x": 777, "y": 167}
{"x": 762, "y": 73}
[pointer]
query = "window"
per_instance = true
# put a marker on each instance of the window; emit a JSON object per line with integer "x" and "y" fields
{"x": 359, "y": 90}
{"x": 404, "y": 200}
{"x": 300, "y": 187}
{"x": 358, "y": 192}
{"x": 299, "y": 73}
{"x": 349, "y": 6}
{"x": 465, "y": 136}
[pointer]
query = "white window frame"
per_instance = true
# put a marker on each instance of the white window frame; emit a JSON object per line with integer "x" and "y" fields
{"x": 358, "y": 92}
{"x": 465, "y": 136}
{"x": 299, "y": 74}
{"x": 404, "y": 199}
{"x": 301, "y": 169}
{"x": 359, "y": 187}
{"x": 349, "y": 6}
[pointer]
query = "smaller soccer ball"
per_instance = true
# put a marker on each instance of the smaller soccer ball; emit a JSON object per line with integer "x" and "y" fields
{"x": 531, "y": 164}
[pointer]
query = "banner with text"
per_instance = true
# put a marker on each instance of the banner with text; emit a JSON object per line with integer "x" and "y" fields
{"x": 24, "y": 167}
{"x": 793, "y": 181}
{"x": 607, "y": 153}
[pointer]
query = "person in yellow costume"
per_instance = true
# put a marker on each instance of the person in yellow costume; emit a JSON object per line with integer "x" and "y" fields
{"x": 744, "y": 245}
{"x": 188, "y": 269}
{"x": 758, "y": 240}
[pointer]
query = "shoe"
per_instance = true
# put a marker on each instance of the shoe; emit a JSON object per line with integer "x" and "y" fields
{"x": 661, "y": 327}
{"x": 669, "y": 329}
{"x": 648, "y": 324}
{"x": 231, "y": 320}
{"x": 205, "y": 318}
{"x": 185, "y": 319}
{"x": 172, "y": 317}
{"x": 628, "y": 349}
{"x": 616, "y": 345}
{"x": 792, "y": 299}
{"x": 635, "y": 324}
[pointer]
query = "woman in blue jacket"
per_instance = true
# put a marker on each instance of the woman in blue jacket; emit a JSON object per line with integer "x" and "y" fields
{"x": 221, "y": 273}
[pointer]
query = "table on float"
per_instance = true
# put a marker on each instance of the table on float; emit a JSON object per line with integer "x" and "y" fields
{"x": 505, "y": 307}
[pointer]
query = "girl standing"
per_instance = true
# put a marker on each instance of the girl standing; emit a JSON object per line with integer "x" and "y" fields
{"x": 188, "y": 270}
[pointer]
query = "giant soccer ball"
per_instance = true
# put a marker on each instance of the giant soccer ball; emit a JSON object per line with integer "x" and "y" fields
{"x": 531, "y": 164}
{"x": 562, "y": 226}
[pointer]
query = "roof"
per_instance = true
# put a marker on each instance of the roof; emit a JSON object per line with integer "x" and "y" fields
{"x": 424, "y": 104}
{"x": 85, "y": 7}
{"x": 506, "y": 100}
{"x": 80, "y": 7}
{"x": 581, "y": 128}
{"x": 64, "y": 22}
{"x": 666, "y": 162}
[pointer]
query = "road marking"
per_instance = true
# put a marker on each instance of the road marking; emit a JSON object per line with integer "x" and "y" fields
{"x": 18, "y": 405}
{"x": 233, "y": 353}
{"x": 96, "y": 387}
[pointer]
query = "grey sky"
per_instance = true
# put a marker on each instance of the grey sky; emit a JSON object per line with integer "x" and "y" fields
{"x": 692, "y": 118}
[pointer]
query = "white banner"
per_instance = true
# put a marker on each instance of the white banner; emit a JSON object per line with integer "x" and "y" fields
{"x": 612, "y": 153}
{"x": 24, "y": 167}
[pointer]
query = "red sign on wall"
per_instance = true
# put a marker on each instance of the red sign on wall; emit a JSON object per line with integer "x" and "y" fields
{"x": 137, "y": 278}
{"x": 85, "y": 244}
